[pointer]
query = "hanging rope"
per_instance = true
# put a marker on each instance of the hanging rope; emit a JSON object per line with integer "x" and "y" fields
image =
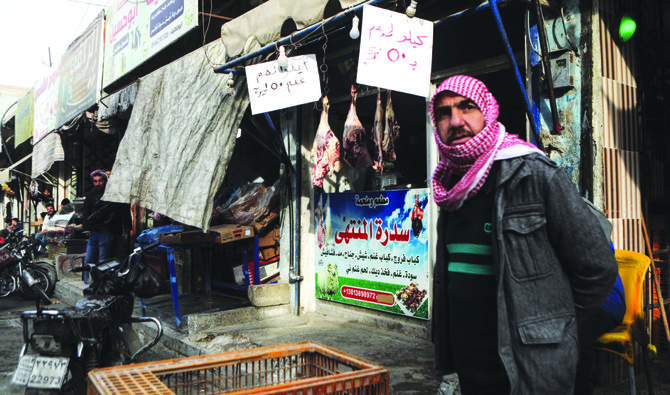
{"x": 324, "y": 67}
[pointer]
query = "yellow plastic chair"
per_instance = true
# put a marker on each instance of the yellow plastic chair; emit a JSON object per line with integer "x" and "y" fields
{"x": 632, "y": 268}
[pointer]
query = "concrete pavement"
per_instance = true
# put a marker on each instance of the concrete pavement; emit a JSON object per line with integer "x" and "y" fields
{"x": 404, "y": 350}
{"x": 408, "y": 358}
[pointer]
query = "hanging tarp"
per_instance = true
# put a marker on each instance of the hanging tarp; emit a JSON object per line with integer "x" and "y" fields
{"x": 113, "y": 108}
{"x": 179, "y": 139}
{"x": 46, "y": 152}
{"x": 117, "y": 102}
{"x": 262, "y": 25}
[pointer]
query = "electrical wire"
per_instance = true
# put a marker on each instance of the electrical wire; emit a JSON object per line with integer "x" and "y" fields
{"x": 205, "y": 30}
{"x": 573, "y": 47}
{"x": 88, "y": 3}
{"x": 530, "y": 40}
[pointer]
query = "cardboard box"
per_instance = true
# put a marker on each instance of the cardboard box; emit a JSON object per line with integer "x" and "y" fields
{"x": 271, "y": 239}
{"x": 267, "y": 272}
{"x": 188, "y": 237}
{"x": 268, "y": 253}
{"x": 230, "y": 232}
{"x": 265, "y": 222}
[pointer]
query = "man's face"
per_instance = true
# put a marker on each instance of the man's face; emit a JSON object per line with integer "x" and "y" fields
{"x": 50, "y": 210}
{"x": 99, "y": 183}
{"x": 458, "y": 118}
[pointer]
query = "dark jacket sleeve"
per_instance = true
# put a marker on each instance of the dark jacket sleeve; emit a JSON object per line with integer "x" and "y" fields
{"x": 580, "y": 243}
{"x": 443, "y": 363}
{"x": 86, "y": 212}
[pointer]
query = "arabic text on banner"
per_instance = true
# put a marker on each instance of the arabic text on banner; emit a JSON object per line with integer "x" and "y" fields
{"x": 372, "y": 250}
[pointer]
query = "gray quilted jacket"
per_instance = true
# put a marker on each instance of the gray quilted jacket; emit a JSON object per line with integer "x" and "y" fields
{"x": 551, "y": 260}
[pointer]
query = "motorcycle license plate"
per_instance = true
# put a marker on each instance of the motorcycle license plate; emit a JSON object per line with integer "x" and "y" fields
{"x": 35, "y": 371}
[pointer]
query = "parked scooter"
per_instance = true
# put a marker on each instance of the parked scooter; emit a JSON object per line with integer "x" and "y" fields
{"x": 62, "y": 346}
{"x": 18, "y": 255}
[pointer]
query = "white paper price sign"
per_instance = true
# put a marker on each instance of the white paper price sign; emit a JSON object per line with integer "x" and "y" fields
{"x": 272, "y": 89}
{"x": 396, "y": 51}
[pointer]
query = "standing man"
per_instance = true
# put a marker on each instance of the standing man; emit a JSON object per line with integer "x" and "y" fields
{"x": 105, "y": 220}
{"x": 518, "y": 253}
{"x": 417, "y": 216}
{"x": 51, "y": 211}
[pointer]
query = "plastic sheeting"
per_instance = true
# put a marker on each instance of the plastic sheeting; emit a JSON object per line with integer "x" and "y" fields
{"x": 179, "y": 139}
{"x": 118, "y": 102}
{"x": 262, "y": 25}
{"x": 45, "y": 152}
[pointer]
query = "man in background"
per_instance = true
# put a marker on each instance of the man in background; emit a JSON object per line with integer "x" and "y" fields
{"x": 16, "y": 226}
{"x": 51, "y": 211}
{"x": 104, "y": 220}
{"x": 65, "y": 206}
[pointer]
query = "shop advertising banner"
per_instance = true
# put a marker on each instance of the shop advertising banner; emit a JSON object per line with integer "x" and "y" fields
{"x": 396, "y": 51}
{"x": 23, "y": 129}
{"x": 271, "y": 88}
{"x": 46, "y": 105}
{"x": 137, "y": 30}
{"x": 372, "y": 250}
{"x": 79, "y": 82}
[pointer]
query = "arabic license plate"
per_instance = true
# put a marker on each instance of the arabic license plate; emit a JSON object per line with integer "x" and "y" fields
{"x": 41, "y": 372}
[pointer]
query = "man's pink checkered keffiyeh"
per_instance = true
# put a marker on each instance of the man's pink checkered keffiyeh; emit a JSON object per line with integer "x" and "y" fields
{"x": 473, "y": 159}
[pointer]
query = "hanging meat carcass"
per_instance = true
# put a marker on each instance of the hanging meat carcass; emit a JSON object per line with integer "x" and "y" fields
{"x": 377, "y": 135}
{"x": 354, "y": 137}
{"x": 326, "y": 149}
{"x": 391, "y": 131}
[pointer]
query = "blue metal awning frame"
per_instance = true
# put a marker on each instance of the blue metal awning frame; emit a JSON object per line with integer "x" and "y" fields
{"x": 534, "y": 121}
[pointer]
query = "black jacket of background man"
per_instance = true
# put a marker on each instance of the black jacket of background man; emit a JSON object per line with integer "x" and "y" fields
{"x": 105, "y": 217}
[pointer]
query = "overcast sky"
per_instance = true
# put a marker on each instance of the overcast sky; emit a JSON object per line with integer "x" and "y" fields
{"x": 29, "y": 28}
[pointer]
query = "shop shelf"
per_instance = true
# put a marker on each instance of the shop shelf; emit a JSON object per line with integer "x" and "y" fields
{"x": 294, "y": 368}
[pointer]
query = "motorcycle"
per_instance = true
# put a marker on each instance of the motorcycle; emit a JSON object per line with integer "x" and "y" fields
{"x": 61, "y": 346}
{"x": 18, "y": 256}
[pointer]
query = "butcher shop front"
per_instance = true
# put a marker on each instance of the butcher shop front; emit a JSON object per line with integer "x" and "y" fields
{"x": 324, "y": 103}
{"x": 348, "y": 89}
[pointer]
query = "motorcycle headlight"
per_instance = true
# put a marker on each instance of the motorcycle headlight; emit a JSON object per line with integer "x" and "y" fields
{"x": 46, "y": 344}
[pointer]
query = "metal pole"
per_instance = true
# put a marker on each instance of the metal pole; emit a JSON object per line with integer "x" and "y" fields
{"x": 512, "y": 60}
{"x": 293, "y": 37}
{"x": 547, "y": 66}
{"x": 2, "y": 120}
